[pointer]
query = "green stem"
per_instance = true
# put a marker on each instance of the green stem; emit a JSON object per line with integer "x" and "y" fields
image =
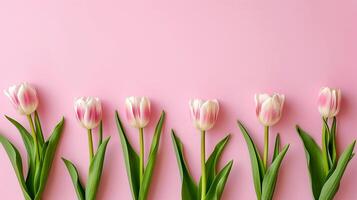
{"x": 266, "y": 146}
{"x": 324, "y": 148}
{"x": 34, "y": 135}
{"x": 141, "y": 135}
{"x": 203, "y": 165}
{"x": 90, "y": 144}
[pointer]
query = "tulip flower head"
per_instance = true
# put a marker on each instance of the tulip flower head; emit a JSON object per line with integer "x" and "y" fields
{"x": 329, "y": 102}
{"x": 88, "y": 111}
{"x": 23, "y": 97}
{"x": 269, "y": 108}
{"x": 204, "y": 113}
{"x": 138, "y": 111}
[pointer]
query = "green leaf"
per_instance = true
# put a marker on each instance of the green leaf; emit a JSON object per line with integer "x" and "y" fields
{"x": 332, "y": 143}
{"x": 100, "y": 133}
{"x": 189, "y": 187}
{"x": 219, "y": 182}
{"x": 211, "y": 163}
{"x": 276, "y": 147}
{"x": 131, "y": 159}
{"x": 144, "y": 187}
{"x": 38, "y": 129}
{"x": 48, "y": 157}
{"x": 72, "y": 170}
{"x": 331, "y": 186}
{"x": 15, "y": 159}
{"x": 95, "y": 171}
{"x": 314, "y": 162}
{"x": 271, "y": 176}
{"x": 256, "y": 161}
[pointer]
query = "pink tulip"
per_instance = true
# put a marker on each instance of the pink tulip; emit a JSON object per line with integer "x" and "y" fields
{"x": 23, "y": 97}
{"x": 204, "y": 113}
{"x": 138, "y": 111}
{"x": 269, "y": 108}
{"x": 88, "y": 111}
{"x": 329, "y": 102}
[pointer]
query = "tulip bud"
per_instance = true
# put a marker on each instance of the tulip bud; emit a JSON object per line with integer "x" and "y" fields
{"x": 269, "y": 108}
{"x": 138, "y": 111}
{"x": 88, "y": 111}
{"x": 329, "y": 102}
{"x": 23, "y": 97}
{"x": 204, "y": 113}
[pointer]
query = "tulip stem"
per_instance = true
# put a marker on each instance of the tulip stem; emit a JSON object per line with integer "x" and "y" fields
{"x": 34, "y": 135}
{"x": 203, "y": 165}
{"x": 141, "y": 135}
{"x": 90, "y": 144}
{"x": 266, "y": 147}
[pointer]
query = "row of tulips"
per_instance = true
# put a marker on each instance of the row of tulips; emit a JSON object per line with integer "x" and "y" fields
{"x": 326, "y": 167}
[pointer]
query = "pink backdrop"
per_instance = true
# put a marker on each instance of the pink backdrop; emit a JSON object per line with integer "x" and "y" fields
{"x": 172, "y": 51}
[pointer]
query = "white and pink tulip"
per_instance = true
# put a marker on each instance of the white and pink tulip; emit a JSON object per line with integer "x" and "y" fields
{"x": 88, "y": 111}
{"x": 23, "y": 97}
{"x": 138, "y": 111}
{"x": 329, "y": 101}
{"x": 269, "y": 108}
{"x": 204, "y": 113}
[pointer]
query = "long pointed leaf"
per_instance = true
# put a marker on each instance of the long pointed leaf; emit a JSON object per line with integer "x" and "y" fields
{"x": 72, "y": 170}
{"x": 332, "y": 143}
{"x": 217, "y": 187}
{"x": 15, "y": 159}
{"x": 276, "y": 147}
{"x": 38, "y": 128}
{"x": 144, "y": 187}
{"x": 271, "y": 176}
{"x": 314, "y": 162}
{"x": 256, "y": 161}
{"x": 189, "y": 187}
{"x": 131, "y": 159}
{"x": 95, "y": 171}
{"x": 48, "y": 157}
{"x": 331, "y": 186}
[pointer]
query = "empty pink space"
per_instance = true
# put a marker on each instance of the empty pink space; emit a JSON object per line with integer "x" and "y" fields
{"x": 172, "y": 51}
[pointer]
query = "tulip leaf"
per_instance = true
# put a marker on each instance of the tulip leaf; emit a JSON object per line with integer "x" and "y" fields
{"x": 219, "y": 182}
{"x": 270, "y": 178}
{"x": 332, "y": 143}
{"x": 95, "y": 171}
{"x": 330, "y": 187}
{"x": 38, "y": 129}
{"x": 189, "y": 187}
{"x": 314, "y": 162}
{"x": 131, "y": 158}
{"x": 15, "y": 159}
{"x": 48, "y": 157}
{"x": 72, "y": 170}
{"x": 100, "y": 128}
{"x": 256, "y": 161}
{"x": 144, "y": 187}
{"x": 276, "y": 147}
{"x": 211, "y": 163}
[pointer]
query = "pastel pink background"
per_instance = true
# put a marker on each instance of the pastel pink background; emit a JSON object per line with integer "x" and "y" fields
{"x": 172, "y": 51}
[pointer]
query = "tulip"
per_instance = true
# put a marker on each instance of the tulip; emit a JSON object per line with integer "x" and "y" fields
{"x": 204, "y": 113}
{"x": 88, "y": 111}
{"x": 329, "y": 101}
{"x": 89, "y": 114}
{"x": 268, "y": 110}
{"x": 23, "y": 97}
{"x": 138, "y": 111}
